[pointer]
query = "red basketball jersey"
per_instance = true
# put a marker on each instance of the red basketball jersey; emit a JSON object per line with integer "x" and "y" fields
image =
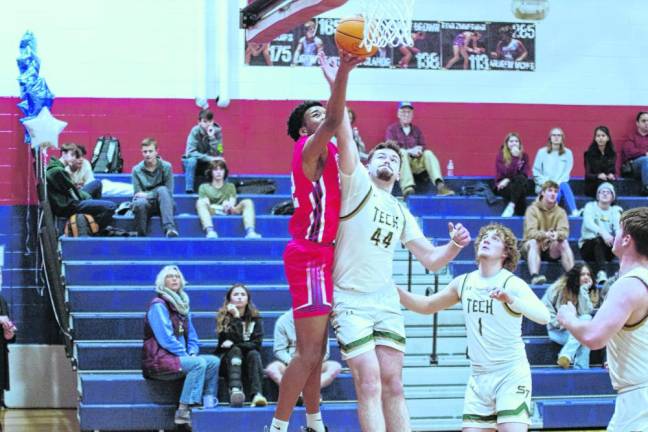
{"x": 317, "y": 203}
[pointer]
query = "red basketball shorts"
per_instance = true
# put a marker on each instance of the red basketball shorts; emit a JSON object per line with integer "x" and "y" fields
{"x": 309, "y": 270}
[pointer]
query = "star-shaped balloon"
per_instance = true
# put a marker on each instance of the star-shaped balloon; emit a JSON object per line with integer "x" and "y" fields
{"x": 44, "y": 129}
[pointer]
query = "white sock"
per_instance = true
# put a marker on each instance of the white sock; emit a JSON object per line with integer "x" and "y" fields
{"x": 278, "y": 425}
{"x": 314, "y": 421}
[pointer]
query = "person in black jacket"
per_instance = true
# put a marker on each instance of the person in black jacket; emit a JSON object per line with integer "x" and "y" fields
{"x": 240, "y": 334}
{"x": 600, "y": 161}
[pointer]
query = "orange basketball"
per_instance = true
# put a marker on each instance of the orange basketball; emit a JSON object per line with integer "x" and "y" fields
{"x": 349, "y": 34}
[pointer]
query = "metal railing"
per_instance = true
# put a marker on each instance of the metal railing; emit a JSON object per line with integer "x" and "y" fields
{"x": 434, "y": 359}
{"x": 51, "y": 264}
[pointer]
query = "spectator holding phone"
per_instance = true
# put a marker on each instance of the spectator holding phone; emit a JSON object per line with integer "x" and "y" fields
{"x": 204, "y": 145}
{"x": 239, "y": 328}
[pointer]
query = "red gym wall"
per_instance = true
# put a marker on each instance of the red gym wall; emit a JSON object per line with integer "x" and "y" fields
{"x": 255, "y": 137}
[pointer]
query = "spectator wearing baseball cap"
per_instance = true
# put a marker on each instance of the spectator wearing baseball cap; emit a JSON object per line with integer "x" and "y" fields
{"x": 600, "y": 224}
{"x": 416, "y": 158}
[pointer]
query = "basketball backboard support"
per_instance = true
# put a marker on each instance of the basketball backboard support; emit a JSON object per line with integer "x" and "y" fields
{"x": 265, "y": 20}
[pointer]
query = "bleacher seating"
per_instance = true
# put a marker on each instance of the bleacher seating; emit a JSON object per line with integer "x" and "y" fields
{"x": 110, "y": 282}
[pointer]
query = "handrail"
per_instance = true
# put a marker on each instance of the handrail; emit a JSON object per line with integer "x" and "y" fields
{"x": 434, "y": 358}
{"x": 51, "y": 261}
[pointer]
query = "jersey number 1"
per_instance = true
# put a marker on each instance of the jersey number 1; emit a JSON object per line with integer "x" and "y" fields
{"x": 386, "y": 241}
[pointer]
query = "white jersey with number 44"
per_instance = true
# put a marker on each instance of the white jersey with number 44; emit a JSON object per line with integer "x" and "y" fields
{"x": 372, "y": 223}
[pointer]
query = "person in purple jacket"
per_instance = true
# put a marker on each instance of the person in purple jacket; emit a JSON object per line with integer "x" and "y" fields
{"x": 171, "y": 346}
{"x": 512, "y": 175}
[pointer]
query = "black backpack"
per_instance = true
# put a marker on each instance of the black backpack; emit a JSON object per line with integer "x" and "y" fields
{"x": 283, "y": 208}
{"x": 106, "y": 156}
{"x": 255, "y": 186}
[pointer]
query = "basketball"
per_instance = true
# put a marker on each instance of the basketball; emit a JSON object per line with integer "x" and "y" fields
{"x": 349, "y": 34}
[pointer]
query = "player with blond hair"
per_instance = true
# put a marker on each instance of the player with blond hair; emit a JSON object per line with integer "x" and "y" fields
{"x": 493, "y": 300}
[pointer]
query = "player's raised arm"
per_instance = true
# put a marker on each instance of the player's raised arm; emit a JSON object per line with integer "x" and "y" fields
{"x": 430, "y": 304}
{"x": 349, "y": 157}
{"x": 616, "y": 310}
{"x": 434, "y": 258}
{"x": 521, "y": 299}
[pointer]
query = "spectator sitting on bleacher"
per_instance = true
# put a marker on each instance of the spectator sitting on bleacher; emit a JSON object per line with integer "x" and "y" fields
{"x": 574, "y": 286}
{"x": 555, "y": 162}
{"x": 204, "y": 145}
{"x": 635, "y": 151}
{"x": 546, "y": 233}
{"x": 240, "y": 335}
{"x": 600, "y": 161}
{"x": 512, "y": 175}
{"x": 600, "y": 224}
{"x": 416, "y": 158}
{"x": 64, "y": 197}
{"x": 362, "y": 149}
{"x": 285, "y": 344}
{"x": 171, "y": 346}
{"x": 218, "y": 196}
{"x": 153, "y": 187}
{"x": 82, "y": 175}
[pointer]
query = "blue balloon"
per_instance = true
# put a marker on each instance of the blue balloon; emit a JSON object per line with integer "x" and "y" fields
{"x": 34, "y": 92}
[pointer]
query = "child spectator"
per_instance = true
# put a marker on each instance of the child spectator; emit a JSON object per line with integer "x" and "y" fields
{"x": 204, "y": 145}
{"x": 362, "y": 150}
{"x": 285, "y": 344}
{"x": 512, "y": 175}
{"x": 546, "y": 233}
{"x": 574, "y": 286}
{"x": 634, "y": 152}
{"x": 82, "y": 175}
{"x": 153, "y": 187}
{"x": 240, "y": 334}
{"x": 171, "y": 346}
{"x": 600, "y": 224}
{"x": 600, "y": 161}
{"x": 415, "y": 157}
{"x": 218, "y": 196}
{"x": 64, "y": 196}
{"x": 554, "y": 162}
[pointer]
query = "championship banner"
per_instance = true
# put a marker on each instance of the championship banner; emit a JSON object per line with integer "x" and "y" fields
{"x": 438, "y": 45}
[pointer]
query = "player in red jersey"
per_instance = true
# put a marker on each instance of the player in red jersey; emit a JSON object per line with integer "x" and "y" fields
{"x": 308, "y": 258}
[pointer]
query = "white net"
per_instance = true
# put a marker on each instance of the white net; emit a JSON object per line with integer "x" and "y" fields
{"x": 387, "y": 23}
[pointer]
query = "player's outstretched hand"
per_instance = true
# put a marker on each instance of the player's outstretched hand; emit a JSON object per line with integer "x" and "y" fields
{"x": 459, "y": 234}
{"x": 500, "y": 295}
{"x": 566, "y": 313}
{"x": 350, "y": 61}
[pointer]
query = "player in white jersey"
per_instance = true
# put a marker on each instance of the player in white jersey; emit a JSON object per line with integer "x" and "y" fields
{"x": 622, "y": 324}
{"x": 366, "y": 315}
{"x": 493, "y": 299}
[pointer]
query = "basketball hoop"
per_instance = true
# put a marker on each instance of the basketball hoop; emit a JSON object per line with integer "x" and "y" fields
{"x": 387, "y": 23}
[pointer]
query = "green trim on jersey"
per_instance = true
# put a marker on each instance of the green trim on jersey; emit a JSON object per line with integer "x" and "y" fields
{"x": 360, "y": 206}
{"x": 394, "y": 337}
{"x": 355, "y": 344}
{"x": 508, "y": 309}
{"x": 477, "y": 418}
{"x": 515, "y": 412}
{"x": 462, "y": 286}
{"x": 505, "y": 413}
{"x": 391, "y": 336}
{"x": 635, "y": 326}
